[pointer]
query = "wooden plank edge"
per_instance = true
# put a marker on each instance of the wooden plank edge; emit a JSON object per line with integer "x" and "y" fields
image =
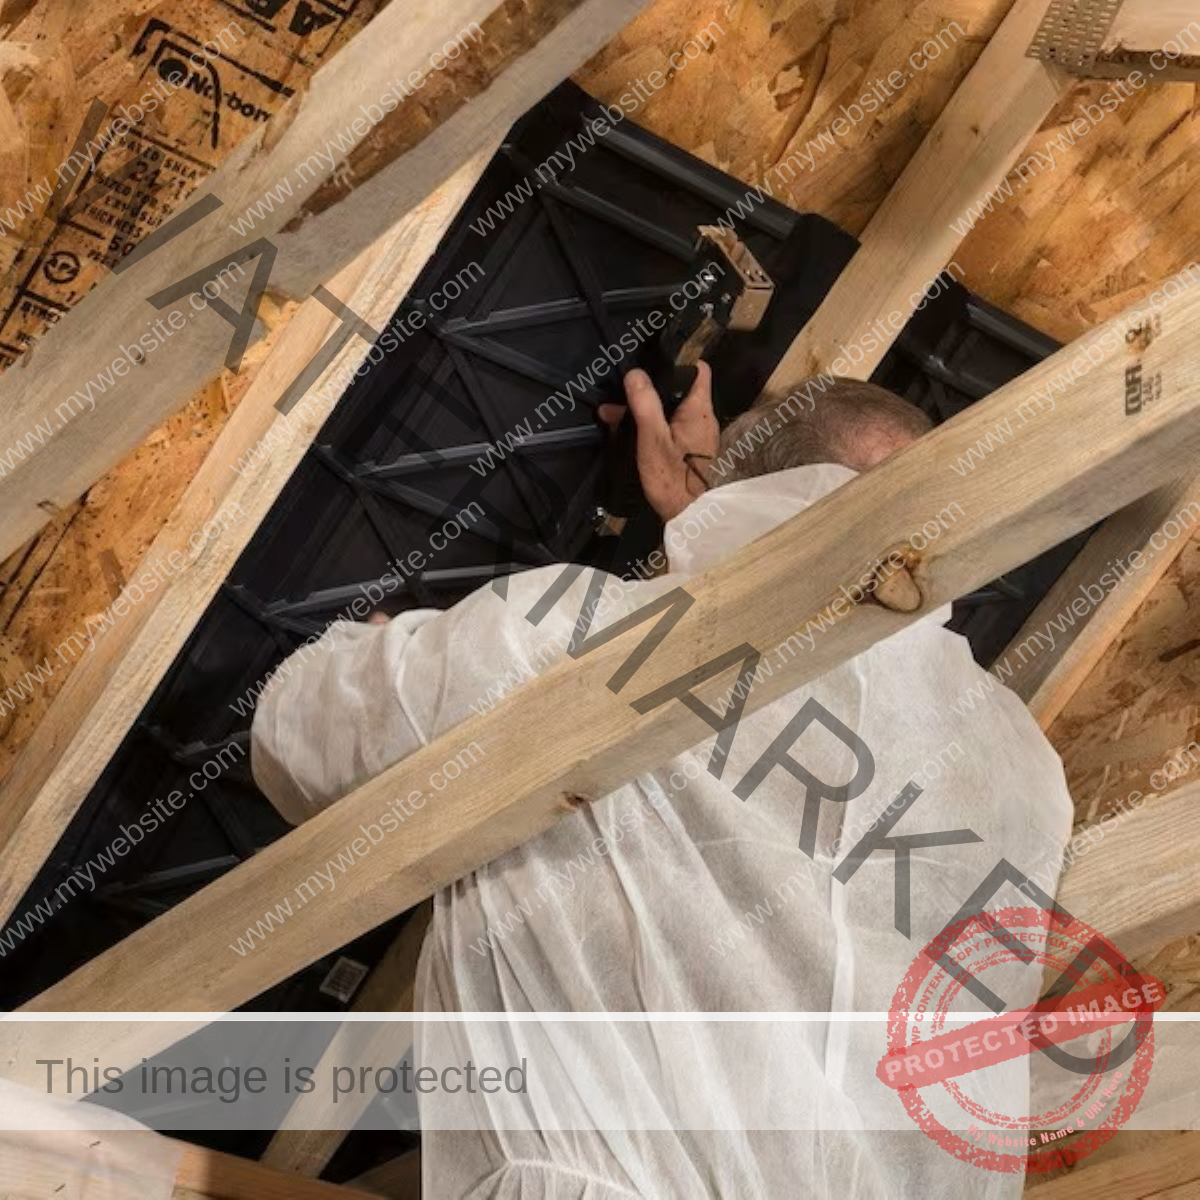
{"x": 1137, "y": 883}
{"x": 217, "y": 1176}
{"x": 1138, "y": 1176}
{"x": 397, "y": 1179}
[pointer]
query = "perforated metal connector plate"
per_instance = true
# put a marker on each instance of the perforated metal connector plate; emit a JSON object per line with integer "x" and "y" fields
{"x": 1073, "y": 32}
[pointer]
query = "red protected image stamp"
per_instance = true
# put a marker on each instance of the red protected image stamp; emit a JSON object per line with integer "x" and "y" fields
{"x": 1098, "y": 996}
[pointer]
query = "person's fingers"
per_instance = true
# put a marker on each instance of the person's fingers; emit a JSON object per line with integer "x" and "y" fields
{"x": 659, "y": 462}
{"x": 644, "y": 402}
{"x": 378, "y": 617}
{"x": 610, "y": 414}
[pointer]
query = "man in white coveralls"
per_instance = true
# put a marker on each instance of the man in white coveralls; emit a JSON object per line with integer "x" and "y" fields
{"x": 684, "y": 892}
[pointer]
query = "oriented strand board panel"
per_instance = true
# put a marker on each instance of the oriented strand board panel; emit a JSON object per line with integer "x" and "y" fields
{"x": 73, "y": 570}
{"x": 55, "y": 59}
{"x": 1118, "y": 211}
{"x": 1065, "y": 250}
{"x": 780, "y": 66}
{"x": 119, "y": 52}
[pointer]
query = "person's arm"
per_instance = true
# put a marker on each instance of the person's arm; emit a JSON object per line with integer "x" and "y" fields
{"x": 344, "y": 709}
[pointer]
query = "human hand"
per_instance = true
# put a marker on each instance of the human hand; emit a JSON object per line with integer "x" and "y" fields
{"x": 672, "y": 456}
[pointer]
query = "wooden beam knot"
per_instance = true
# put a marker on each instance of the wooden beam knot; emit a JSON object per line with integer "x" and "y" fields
{"x": 895, "y": 586}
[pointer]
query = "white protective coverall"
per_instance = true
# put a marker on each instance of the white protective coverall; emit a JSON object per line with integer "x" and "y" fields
{"x": 657, "y": 922}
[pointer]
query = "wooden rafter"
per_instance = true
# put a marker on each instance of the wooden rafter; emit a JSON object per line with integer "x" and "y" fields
{"x": 1046, "y": 677}
{"x": 399, "y": 1178}
{"x": 314, "y": 1127}
{"x": 200, "y": 1173}
{"x": 209, "y": 1175}
{"x": 1140, "y": 886}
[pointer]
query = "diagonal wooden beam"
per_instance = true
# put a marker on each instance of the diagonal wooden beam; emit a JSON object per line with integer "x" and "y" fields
{"x": 142, "y": 1159}
{"x": 1046, "y": 677}
{"x": 315, "y": 1127}
{"x": 210, "y": 1175}
{"x": 1061, "y": 472}
{"x": 328, "y": 217}
{"x": 1139, "y": 883}
{"x": 971, "y": 148}
{"x": 1168, "y": 1170}
{"x": 111, "y": 685}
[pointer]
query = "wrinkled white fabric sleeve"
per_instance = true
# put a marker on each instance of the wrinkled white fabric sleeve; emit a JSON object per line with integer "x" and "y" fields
{"x": 344, "y": 709}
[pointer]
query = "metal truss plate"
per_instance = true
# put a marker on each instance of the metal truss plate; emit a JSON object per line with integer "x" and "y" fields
{"x": 1073, "y": 31}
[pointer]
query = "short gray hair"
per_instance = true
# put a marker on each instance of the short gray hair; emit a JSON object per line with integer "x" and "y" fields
{"x": 850, "y": 422}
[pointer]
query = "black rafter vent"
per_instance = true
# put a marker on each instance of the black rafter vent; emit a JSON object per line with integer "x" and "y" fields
{"x": 577, "y": 263}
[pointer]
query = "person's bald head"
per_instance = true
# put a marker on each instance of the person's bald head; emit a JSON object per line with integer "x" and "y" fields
{"x": 852, "y": 423}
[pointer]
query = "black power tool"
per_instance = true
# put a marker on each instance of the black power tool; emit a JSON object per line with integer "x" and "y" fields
{"x": 726, "y": 290}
